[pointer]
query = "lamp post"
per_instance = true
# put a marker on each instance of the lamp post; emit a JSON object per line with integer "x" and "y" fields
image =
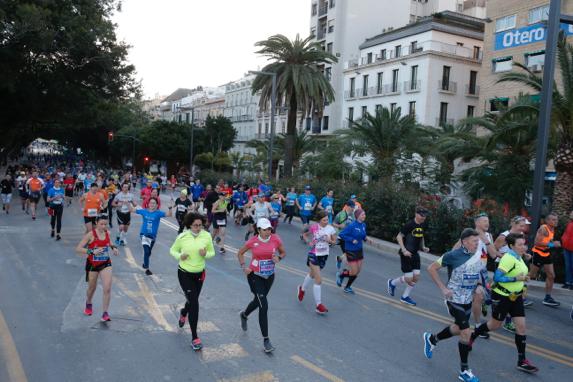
{"x": 273, "y": 105}
{"x": 133, "y": 139}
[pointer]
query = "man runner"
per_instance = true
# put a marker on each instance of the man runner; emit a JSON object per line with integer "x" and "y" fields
{"x": 124, "y": 203}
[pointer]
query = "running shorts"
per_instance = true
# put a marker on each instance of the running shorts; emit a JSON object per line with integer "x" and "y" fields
{"x": 95, "y": 268}
{"x": 6, "y": 198}
{"x": 461, "y": 314}
{"x": 408, "y": 264}
{"x": 219, "y": 221}
{"x": 88, "y": 219}
{"x": 354, "y": 256}
{"x": 69, "y": 193}
{"x": 540, "y": 261}
{"x": 34, "y": 197}
{"x": 123, "y": 218}
{"x": 319, "y": 261}
{"x": 23, "y": 194}
{"x": 501, "y": 306}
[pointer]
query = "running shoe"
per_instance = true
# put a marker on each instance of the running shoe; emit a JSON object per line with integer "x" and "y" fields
{"x": 527, "y": 367}
{"x": 124, "y": 242}
{"x": 117, "y": 242}
{"x": 148, "y": 272}
{"x": 467, "y": 376}
{"x": 408, "y": 301}
{"x": 268, "y": 346}
{"x": 182, "y": 318}
{"x": 196, "y": 344}
{"x": 338, "y": 262}
{"x": 299, "y": 293}
{"x": 243, "y": 321}
{"x": 88, "y": 311}
{"x": 58, "y": 237}
{"x": 509, "y": 326}
{"x": 52, "y": 234}
{"x": 105, "y": 317}
{"x": 321, "y": 309}
{"x": 349, "y": 290}
{"x": 338, "y": 279}
{"x": 428, "y": 345}
{"x": 527, "y": 302}
{"x": 483, "y": 335}
{"x": 222, "y": 251}
{"x": 33, "y": 218}
{"x": 217, "y": 240}
{"x": 391, "y": 288}
{"x": 549, "y": 301}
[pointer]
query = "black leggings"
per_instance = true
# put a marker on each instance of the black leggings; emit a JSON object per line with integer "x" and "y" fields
{"x": 179, "y": 217}
{"x": 289, "y": 214}
{"x": 260, "y": 287}
{"x": 191, "y": 284}
{"x": 56, "y": 219}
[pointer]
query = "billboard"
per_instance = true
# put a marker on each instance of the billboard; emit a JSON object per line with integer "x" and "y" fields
{"x": 527, "y": 35}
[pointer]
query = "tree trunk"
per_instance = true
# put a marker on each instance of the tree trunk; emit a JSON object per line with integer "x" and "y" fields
{"x": 290, "y": 137}
{"x": 563, "y": 191}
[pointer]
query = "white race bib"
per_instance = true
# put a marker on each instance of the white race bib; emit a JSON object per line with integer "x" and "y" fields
{"x": 307, "y": 206}
{"x": 92, "y": 212}
{"x": 181, "y": 208}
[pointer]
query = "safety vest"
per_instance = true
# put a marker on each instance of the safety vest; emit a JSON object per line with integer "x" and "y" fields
{"x": 543, "y": 249}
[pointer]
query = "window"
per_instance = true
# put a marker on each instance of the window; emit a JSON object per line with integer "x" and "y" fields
{"x": 393, "y": 107}
{"x": 187, "y": 117}
{"x": 379, "y": 78}
{"x": 266, "y": 128}
{"x": 497, "y": 104}
{"x": 477, "y": 53}
{"x": 505, "y": 23}
{"x": 383, "y": 54}
{"x": 443, "y": 113}
{"x": 352, "y": 87}
{"x": 260, "y": 128}
{"x": 350, "y": 116}
{"x": 314, "y": 9}
{"x": 308, "y": 123}
{"x": 502, "y": 64}
{"x": 395, "y": 80}
{"x": 365, "y": 85}
{"x": 412, "y": 108}
{"x": 328, "y": 73}
{"x": 414, "y": 47}
{"x": 325, "y": 122}
{"x": 535, "y": 58}
{"x": 369, "y": 58}
{"x": 398, "y": 51}
{"x": 329, "y": 47}
{"x": 331, "y": 26}
{"x": 446, "y": 77}
{"x": 459, "y": 43}
{"x": 313, "y": 32}
{"x": 364, "y": 111}
{"x": 179, "y": 118}
{"x": 378, "y": 109}
{"x": 414, "y": 77}
{"x": 471, "y": 110}
{"x": 331, "y": 3}
{"x": 538, "y": 14}
{"x": 472, "y": 88}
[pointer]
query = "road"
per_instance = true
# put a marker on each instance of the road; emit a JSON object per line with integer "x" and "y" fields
{"x": 369, "y": 336}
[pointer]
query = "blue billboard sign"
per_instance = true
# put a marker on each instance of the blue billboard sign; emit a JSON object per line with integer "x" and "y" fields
{"x": 527, "y": 35}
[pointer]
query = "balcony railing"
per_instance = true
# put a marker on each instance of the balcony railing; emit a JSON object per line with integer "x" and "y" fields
{"x": 472, "y": 91}
{"x": 322, "y": 10}
{"x": 391, "y": 89}
{"x": 447, "y": 87}
{"x": 412, "y": 87}
{"x": 321, "y": 34}
{"x": 446, "y": 121}
{"x": 349, "y": 94}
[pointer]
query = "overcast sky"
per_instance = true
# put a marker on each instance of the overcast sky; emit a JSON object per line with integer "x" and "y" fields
{"x": 186, "y": 43}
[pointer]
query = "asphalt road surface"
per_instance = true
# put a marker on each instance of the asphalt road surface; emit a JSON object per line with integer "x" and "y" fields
{"x": 370, "y": 336}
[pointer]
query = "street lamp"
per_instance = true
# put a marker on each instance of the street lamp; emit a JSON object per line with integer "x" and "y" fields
{"x": 273, "y": 105}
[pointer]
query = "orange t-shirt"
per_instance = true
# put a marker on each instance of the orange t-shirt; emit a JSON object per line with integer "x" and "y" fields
{"x": 35, "y": 184}
{"x": 92, "y": 205}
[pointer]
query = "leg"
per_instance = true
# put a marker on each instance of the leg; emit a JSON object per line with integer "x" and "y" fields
{"x": 92, "y": 284}
{"x": 59, "y": 213}
{"x": 105, "y": 276}
{"x": 549, "y": 278}
{"x": 476, "y": 304}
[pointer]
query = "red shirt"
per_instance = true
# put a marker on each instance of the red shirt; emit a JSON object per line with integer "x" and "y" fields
{"x": 146, "y": 192}
{"x": 567, "y": 238}
{"x": 228, "y": 191}
{"x": 262, "y": 259}
{"x": 69, "y": 183}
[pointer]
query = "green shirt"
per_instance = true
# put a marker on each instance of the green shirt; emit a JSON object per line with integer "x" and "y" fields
{"x": 512, "y": 266}
{"x": 190, "y": 245}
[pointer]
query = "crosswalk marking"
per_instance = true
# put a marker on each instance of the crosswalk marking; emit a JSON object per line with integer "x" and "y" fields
{"x": 265, "y": 376}
{"x": 223, "y": 352}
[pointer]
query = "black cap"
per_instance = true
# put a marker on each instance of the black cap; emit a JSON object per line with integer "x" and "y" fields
{"x": 422, "y": 211}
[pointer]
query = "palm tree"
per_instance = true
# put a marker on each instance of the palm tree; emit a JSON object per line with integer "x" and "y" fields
{"x": 383, "y": 136}
{"x": 562, "y": 121}
{"x": 261, "y": 159}
{"x": 301, "y": 84}
{"x": 303, "y": 143}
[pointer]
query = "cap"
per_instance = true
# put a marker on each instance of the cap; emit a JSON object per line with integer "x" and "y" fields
{"x": 263, "y": 223}
{"x": 480, "y": 215}
{"x": 307, "y": 187}
{"x": 518, "y": 218}
{"x": 467, "y": 232}
{"x": 154, "y": 185}
{"x": 352, "y": 196}
{"x": 422, "y": 211}
{"x": 184, "y": 191}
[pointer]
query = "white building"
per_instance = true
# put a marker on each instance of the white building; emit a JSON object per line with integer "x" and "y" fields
{"x": 429, "y": 68}
{"x": 241, "y": 107}
{"x": 340, "y": 26}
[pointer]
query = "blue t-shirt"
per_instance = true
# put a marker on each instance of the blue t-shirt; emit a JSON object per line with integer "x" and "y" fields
{"x": 196, "y": 190}
{"x": 240, "y": 198}
{"x": 54, "y": 192}
{"x": 151, "y": 220}
{"x": 264, "y": 189}
{"x": 277, "y": 208}
{"x": 306, "y": 202}
{"x": 48, "y": 185}
{"x": 291, "y": 198}
{"x": 327, "y": 203}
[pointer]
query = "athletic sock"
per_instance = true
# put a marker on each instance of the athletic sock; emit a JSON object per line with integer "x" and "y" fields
{"x": 480, "y": 329}
{"x": 317, "y": 293}
{"x": 520, "y": 342}
{"x": 443, "y": 335}
{"x": 408, "y": 290}
{"x": 398, "y": 280}
{"x": 344, "y": 274}
{"x": 350, "y": 281}
{"x": 464, "y": 350}
{"x": 306, "y": 282}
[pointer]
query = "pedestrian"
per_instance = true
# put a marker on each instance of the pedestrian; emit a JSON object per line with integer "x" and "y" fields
{"x": 191, "y": 249}
{"x": 261, "y": 274}
{"x": 341, "y": 220}
{"x": 411, "y": 239}
{"x": 277, "y": 207}
{"x": 149, "y": 228}
{"x": 56, "y": 197}
{"x": 567, "y": 244}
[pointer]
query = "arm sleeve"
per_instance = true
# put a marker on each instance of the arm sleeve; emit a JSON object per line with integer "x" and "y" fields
{"x": 500, "y": 277}
{"x": 175, "y": 249}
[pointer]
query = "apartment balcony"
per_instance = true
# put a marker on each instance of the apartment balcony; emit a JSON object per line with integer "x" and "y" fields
{"x": 448, "y": 87}
{"x": 323, "y": 9}
{"x": 262, "y": 136}
{"x": 350, "y": 94}
{"x": 412, "y": 86}
{"x": 321, "y": 35}
{"x": 472, "y": 91}
{"x": 392, "y": 89}
{"x": 446, "y": 121}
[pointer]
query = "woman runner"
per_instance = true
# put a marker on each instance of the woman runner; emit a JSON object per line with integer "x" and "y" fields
{"x": 56, "y": 202}
{"x": 182, "y": 205}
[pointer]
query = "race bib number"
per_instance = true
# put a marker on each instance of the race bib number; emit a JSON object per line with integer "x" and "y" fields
{"x": 221, "y": 223}
{"x": 328, "y": 209}
{"x": 470, "y": 280}
{"x": 146, "y": 241}
{"x": 124, "y": 208}
{"x": 290, "y": 202}
{"x": 264, "y": 267}
{"x": 307, "y": 206}
{"x": 103, "y": 256}
{"x": 181, "y": 208}
{"x": 321, "y": 248}
{"x": 92, "y": 212}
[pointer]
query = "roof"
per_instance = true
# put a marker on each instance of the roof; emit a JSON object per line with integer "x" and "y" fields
{"x": 447, "y": 21}
{"x": 178, "y": 94}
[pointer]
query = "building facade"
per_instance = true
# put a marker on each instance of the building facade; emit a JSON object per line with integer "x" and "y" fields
{"x": 515, "y": 34}
{"x": 429, "y": 69}
{"x": 241, "y": 107}
{"x": 340, "y": 26}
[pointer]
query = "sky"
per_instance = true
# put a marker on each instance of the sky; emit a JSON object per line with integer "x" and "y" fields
{"x": 187, "y": 43}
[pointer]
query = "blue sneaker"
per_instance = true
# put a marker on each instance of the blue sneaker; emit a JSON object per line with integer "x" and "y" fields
{"x": 391, "y": 288}
{"x": 349, "y": 290}
{"x": 338, "y": 279}
{"x": 338, "y": 263}
{"x": 408, "y": 301}
{"x": 428, "y": 345}
{"x": 467, "y": 376}
{"x": 117, "y": 242}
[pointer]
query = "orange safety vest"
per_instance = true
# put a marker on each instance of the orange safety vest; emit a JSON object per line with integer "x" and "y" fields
{"x": 542, "y": 249}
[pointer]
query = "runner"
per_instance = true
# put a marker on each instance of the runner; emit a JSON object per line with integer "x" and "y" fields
{"x": 276, "y": 214}
{"x": 319, "y": 237}
{"x": 145, "y": 192}
{"x": 56, "y": 199}
{"x": 327, "y": 204}
{"x": 80, "y": 186}
{"x": 69, "y": 183}
{"x": 306, "y": 204}
{"x": 48, "y": 184}
{"x": 190, "y": 249}
{"x": 240, "y": 200}
{"x": 354, "y": 235}
{"x": 6, "y": 187}
{"x": 542, "y": 256}
{"x": 219, "y": 211}
{"x": 149, "y": 227}
{"x": 196, "y": 190}
{"x": 507, "y": 297}
{"x": 290, "y": 204}
{"x": 93, "y": 203}
{"x": 182, "y": 206}
{"x": 34, "y": 187}
{"x": 261, "y": 274}
{"x": 357, "y": 204}
{"x": 23, "y": 191}
{"x": 567, "y": 244}
{"x": 125, "y": 202}
{"x": 260, "y": 209}
{"x": 211, "y": 197}
{"x": 341, "y": 220}
{"x": 411, "y": 240}
{"x": 464, "y": 269}
{"x": 95, "y": 246}
{"x": 111, "y": 191}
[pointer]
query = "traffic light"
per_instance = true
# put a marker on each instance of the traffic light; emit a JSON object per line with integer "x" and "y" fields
{"x": 146, "y": 160}
{"x": 110, "y": 137}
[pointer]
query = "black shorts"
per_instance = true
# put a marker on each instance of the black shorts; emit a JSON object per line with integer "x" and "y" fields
{"x": 219, "y": 221}
{"x": 501, "y": 306}
{"x": 23, "y": 194}
{"x": 123, "y": 218}
{"x": 95, "y": 268}
{"x": 461, "y": 314}
{"x": 540, "y": 261}
{"x": 319, "y": 261}
{"x": 354, "y": 255}
{"x": 88, "y": 219}
{"x": 69, "y": 193}
{"x": 408, "y": 264}
{"x": 34, "y": 197}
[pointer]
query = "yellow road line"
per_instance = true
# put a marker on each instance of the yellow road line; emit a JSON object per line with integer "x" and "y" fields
{"x": 316, "y": 369}
{"x": 265, "y": 376}
{"x": 10, "y": 353}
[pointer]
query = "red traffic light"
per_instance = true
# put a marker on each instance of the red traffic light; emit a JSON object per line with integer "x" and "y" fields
{"x": 110, "y": 136}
